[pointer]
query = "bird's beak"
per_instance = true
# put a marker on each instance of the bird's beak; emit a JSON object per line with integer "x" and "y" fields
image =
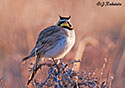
{"x": 65, "y": 24}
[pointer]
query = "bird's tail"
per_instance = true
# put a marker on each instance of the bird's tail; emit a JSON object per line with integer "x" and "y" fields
{"x": 26, "y": 58}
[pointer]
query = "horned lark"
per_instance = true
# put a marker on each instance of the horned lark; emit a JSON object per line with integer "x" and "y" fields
{"x": 54, "y": 41}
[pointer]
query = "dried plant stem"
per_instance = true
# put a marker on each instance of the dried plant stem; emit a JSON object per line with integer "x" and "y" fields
{"x": 80, "y": 52}
{"x": 121, "y": 65}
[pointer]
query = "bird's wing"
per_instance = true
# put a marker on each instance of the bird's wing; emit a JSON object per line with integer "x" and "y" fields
{"x": 48, "y": 38}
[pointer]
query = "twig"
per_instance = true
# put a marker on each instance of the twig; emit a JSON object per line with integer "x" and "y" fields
{"x": 34, "y": 71}
{"x": 51, "y": 69}
{"x": 66, "y": 77}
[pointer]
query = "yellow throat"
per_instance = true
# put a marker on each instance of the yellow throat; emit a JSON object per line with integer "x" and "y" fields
{"x": 65, "y": 24}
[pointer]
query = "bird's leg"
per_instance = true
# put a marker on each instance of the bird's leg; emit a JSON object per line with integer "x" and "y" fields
{"x": 55, "y": 63}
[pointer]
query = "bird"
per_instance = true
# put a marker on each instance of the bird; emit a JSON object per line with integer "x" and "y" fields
{"x": 54, "y": 41}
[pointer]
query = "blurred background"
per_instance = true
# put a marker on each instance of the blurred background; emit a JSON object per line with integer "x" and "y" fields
{"x": 100, "y": 31}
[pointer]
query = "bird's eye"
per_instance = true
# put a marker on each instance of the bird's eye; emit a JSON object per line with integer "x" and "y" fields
{"x": 61, "y": 22}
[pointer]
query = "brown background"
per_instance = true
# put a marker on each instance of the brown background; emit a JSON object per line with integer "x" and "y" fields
{"x": 22, "y": 20}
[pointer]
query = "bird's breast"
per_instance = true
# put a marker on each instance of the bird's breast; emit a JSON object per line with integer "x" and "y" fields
{"x": 63, "y": 46}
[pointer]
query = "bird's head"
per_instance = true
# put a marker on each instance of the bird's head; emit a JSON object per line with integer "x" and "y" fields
{"x": 64, "y": 22}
